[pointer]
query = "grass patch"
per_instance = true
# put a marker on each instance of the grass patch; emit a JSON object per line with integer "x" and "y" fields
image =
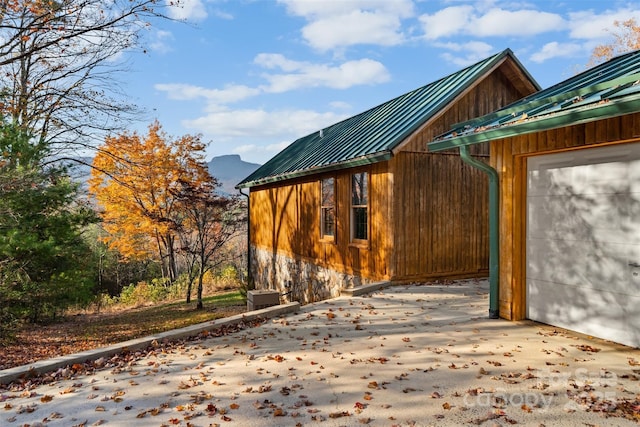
{"x": 139, "y": 322}
{"x": 92, "y": 330}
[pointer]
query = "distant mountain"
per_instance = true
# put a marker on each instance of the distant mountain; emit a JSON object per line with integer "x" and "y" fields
{"x": 230, "y": 170}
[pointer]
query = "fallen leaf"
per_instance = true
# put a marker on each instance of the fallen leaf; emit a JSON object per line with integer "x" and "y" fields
{"x": 585, "y": 347}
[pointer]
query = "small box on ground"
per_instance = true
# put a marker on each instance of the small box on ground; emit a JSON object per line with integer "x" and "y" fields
{"x": 262, "y": 298}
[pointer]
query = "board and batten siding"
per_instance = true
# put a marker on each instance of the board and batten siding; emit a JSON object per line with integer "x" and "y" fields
{"x": 428, "y": 213}
{"x": 441, "y": 217}
{"x": 508, "y": 157}
{"x": 285, "y": 219}
{"x": 440, "y": 202}
{"x": 493, "y": 92}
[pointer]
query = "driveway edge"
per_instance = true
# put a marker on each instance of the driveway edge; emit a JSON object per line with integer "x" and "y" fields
{"x": 48, "y": 365}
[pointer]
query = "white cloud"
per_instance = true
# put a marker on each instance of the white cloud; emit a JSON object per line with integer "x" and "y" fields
{"x": 252, "y": 123}
{"x": 221, "y": 14}
{"x": 276, "y": 60}
{"x": 588, "y": 25}
{"x": 307, "y": 75}
{"x": 446, "y": 22}
{"x": 184, "y": 92}
{"x": 356, "y": 27}
{"x": 322, "y": 9}
{"x": 469, "y": 20}
{"x": 298, "y": 75}
{"x": 255, "y": 150}
{"x": 160, "y": 41}
{"x": 340, "y": 105}
{"x": 500, "y": 22}
{"x": 339, "y": 24}
{"x": 471, "y": 52}
{"x": 187, "y": 10}
{"x": 558, "y": 50}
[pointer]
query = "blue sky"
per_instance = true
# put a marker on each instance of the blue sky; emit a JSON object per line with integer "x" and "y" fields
{"x": 252, "y": 76}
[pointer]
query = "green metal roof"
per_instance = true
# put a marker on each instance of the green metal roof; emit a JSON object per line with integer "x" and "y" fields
{"x": 370, "y": 137}
{"x": 608, "y": 90}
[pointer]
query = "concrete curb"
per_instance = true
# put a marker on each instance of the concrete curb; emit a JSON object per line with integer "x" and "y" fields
{"x": 48, "y": 365}
{"x": 364, "y": 289}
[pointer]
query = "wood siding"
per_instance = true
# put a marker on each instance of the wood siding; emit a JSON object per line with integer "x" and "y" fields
{"x": 509, "y": 156}
{"x": 493, "y": 92}
{"x": 428, "y": 212}
{"x": 441, "y": 203}
{"x": 286, "y": 219}
{"x": 441, "y": 222}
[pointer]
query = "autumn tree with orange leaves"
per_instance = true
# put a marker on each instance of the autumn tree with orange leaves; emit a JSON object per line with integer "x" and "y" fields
{"x": 626, "y": 38}
{"x": 137, "y": 182}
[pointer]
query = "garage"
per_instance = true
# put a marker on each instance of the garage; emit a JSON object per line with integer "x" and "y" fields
{"x": 583, "y": 241}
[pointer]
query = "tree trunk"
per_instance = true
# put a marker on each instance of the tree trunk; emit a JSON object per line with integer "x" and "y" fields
{"x": 189, "y": 286}
{"x": 200, "y": 306}
{"x": 171, "y": 253}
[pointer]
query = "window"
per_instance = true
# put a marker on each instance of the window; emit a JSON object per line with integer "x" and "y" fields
{"x": 359, "y": 214}
{"x": 328, "y": 208}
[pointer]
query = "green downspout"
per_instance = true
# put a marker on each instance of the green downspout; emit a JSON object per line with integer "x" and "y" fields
{"x": 250, "y": 284}
{"x": 494, "y": 206}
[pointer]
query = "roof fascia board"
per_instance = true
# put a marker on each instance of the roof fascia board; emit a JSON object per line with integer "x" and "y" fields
{"x": 361, "y": 161}
{"x": 553, "y": 121}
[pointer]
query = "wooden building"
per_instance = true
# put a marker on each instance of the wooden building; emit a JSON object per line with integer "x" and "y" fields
{"x": 568, "y": 162}
{"x": 364, "y": 201}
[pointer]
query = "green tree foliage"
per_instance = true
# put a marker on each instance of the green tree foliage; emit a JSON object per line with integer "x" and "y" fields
{"x": 42, "y": 253}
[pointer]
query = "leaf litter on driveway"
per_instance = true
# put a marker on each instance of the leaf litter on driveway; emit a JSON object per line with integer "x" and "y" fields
{"x": 414, "y": 355}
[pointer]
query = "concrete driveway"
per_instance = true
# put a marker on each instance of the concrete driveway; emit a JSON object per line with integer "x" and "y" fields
{"x": 416, "y": 355}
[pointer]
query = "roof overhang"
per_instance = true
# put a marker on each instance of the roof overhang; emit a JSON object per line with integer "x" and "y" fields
{"x": 351, "y": 163}
{"x": 589, "y": 113}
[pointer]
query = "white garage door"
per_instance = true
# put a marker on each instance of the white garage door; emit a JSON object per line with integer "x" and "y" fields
{"x": 583, "y": 241}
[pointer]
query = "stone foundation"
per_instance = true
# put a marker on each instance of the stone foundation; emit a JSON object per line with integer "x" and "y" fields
{"x": 296, "y": 279}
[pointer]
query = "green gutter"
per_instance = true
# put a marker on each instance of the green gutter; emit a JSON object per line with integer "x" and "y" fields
{"x": 494, "y": 250}
{"x": 559, "y": 119}
{"x": 359, "y": 161}
{"x": 516, "y": 108}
